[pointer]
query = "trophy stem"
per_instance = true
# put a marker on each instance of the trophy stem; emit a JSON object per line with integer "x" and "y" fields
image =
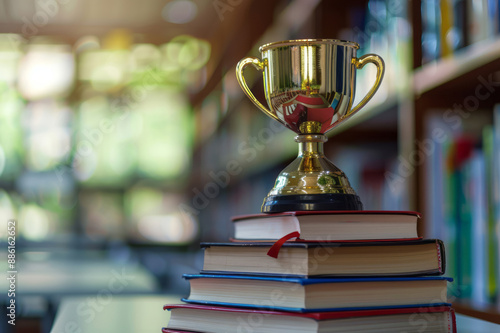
{"x": 311, "y": 143}
{"x": 310, "y": 151}
{"x": 311, "y": 182}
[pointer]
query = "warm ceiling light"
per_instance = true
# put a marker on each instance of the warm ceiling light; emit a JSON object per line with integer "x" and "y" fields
{"x": 179, "y": 11}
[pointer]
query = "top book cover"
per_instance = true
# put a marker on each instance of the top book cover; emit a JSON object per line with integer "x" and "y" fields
{"x": 328, "y": 225}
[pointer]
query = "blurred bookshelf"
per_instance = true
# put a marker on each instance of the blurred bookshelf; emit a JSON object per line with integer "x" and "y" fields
{"x": 456, "y": 114}
{"x": 437, "y": 53}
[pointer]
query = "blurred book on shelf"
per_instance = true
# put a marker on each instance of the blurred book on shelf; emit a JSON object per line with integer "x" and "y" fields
{"x": 431, "y": 34}
{"x": 449, "y": 25}
{"x": 385, "y": 29}
{"x": 376, "y": 172}
{"x": 463, "y": 173}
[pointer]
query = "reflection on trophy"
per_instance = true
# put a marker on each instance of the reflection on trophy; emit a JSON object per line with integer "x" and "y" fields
{"x": 309, "y": 87}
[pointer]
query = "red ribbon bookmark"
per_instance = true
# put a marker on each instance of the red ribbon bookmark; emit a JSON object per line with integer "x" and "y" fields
{"x": 275, "y": 249}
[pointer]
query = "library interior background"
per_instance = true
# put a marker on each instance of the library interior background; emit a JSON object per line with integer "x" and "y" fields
{"x": 125, "y": 139}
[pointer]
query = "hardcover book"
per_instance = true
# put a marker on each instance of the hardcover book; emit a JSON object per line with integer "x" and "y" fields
{"x": 328, "y": 225}
{"x": 379, "y": 258}
{"x": 199, "y": 318}
{"x": 313, "y": 295}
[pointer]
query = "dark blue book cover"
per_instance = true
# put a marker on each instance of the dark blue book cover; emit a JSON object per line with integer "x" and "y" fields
{"x": 306, "y": 282}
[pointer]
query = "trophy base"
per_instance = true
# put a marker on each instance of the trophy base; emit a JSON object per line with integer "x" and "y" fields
{"x": 309, "y": 202}
{"x": 311, "y": 182}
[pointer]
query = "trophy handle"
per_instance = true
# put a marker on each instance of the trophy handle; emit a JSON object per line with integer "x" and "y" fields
{"x": 360, "y": 63}
{"x": 259, "y": 65}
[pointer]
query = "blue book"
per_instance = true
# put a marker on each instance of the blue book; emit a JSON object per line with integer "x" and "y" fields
{"x": 316, "y": 294}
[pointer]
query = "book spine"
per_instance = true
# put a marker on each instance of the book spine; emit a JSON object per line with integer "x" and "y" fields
{"x": 489, "y": 149}
{"x": 435, "y": 182}
{"x": 463, "y": 202}
{"x": 441, "y": 254}
{"x": 431, "y": 18}
{"x": 446, "y": 30}
{"x": 493, "y": 16}
{"x": 478, "y": 20}
{"x": 449, "y": 222}
{"x": 459, "y": 32}
{"x": 479, "y": 230}
{"x": 494, "y": 227}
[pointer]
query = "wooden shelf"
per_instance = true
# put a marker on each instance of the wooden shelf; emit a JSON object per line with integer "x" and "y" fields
{"x": 464, "y": 61}
{"x": 485, "y": 312}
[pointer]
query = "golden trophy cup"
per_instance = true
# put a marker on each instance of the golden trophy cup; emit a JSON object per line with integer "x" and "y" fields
{"x": 309, "y": 86}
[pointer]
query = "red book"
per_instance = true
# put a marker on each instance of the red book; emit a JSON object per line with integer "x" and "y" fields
{"x": 211, "y": 319}
{"x": 328, "y": 225}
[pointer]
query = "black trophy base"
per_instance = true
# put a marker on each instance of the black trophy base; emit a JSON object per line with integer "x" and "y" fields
{"x": 311, "y": 202}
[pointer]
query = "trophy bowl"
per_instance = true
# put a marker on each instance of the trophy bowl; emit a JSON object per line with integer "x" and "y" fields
{"x": 309, "y": 86}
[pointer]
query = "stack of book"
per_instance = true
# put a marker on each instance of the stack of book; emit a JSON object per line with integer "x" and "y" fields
{"x": 351, "y": 271}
